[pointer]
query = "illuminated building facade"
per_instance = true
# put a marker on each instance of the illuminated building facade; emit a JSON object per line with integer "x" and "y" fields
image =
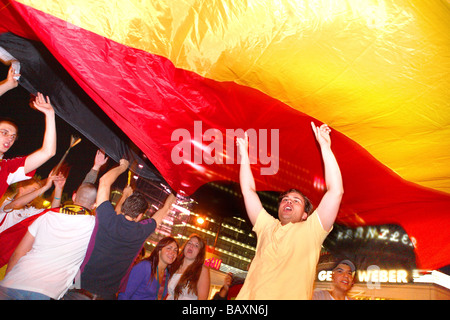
{"x": 385, "y": 263}
{"x": 230, "y": 242}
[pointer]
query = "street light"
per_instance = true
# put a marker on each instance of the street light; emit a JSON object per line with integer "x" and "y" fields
{"x": 200, "y": 220}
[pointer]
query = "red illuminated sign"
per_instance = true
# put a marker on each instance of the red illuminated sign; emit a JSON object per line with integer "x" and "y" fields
{"x": 213, "y": 263}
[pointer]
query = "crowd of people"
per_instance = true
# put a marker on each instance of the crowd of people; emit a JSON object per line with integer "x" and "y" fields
{"x": 89, "y": 249}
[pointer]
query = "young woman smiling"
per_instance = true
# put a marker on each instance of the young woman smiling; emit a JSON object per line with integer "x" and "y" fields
{"x": 149, "y": 278}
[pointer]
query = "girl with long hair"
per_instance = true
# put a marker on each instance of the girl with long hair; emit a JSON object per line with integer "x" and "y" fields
{"x": 190, "y": 279}
{"x": 149, "y": 278}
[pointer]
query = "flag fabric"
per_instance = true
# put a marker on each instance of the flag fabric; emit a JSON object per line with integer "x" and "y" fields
{"x": 41, "y": 72}
{"x": 181, "y": 79}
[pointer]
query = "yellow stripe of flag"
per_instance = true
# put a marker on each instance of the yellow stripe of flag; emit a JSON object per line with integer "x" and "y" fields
{"x": 377, "y": 71}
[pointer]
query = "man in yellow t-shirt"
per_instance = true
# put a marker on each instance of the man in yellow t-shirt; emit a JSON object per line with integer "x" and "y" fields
{"x": 288, "y": 248}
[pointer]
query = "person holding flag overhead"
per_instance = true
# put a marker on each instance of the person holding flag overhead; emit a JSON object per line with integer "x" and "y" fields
{"x": 117, "y": 240}
{"x": 288, "y": 248}
{"x": 23, "y": 168}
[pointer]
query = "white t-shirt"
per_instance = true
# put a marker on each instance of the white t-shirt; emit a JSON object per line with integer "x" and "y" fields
{"x": 185, "y": 295}
{"x": 12, "y": 217}
{"x": 58, "y": 250}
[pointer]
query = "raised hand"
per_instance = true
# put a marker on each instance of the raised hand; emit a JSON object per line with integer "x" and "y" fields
{"x": 43, "y": 104}
{"x": 99, "y": 160}
{"x": 124, "y": 163}
{"x": 322, "y": 134}
{"x": 10, "y": 82}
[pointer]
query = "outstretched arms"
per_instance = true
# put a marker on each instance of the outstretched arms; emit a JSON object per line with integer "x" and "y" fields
{"x": 164, "y": 210}
{"x": 59, "y": 183}
{"x": 21, "y": 200}
{"x": 48, "y": 149}
{"x": 10, "y": 82}
{"x": 252, "y": 202}
{"x": 108, "y": 179}
{"x": 329, "y": 205}
{"x": 99, "y": 160}
{"x": 127, "y": 191}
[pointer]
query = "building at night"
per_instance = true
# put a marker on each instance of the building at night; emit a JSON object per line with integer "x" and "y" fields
{"x": 383, "y": 255}
{"x": 231, "y": 244}
{"x": 385, "y": 262}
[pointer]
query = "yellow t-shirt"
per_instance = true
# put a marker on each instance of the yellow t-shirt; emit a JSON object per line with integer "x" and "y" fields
{"x": 284, "y": 265}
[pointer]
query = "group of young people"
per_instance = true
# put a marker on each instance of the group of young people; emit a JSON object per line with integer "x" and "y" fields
{"x": 69, "y": 253}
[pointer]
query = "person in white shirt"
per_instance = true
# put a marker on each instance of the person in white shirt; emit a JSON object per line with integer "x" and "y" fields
{"x": 49, "y": 256}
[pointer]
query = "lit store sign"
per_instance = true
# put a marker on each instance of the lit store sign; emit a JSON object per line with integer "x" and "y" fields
{"x": 379, "y": 233}
{"x": 372, "y": 275}
{"x": 213, "y": 263}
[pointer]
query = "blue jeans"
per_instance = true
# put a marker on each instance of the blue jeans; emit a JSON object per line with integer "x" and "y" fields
{"x": 16, "y": 294}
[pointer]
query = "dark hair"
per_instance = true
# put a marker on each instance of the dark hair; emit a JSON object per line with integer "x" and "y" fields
{"x": 192, "y": 273}
{"x": 11, "y": 122}
{"x": 308, "y": 204}
{"x": 154, "y": 256}
{"x": 134, "y": 205}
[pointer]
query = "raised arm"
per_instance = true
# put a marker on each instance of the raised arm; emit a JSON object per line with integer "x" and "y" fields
{"x": 162, "y": 212}
{"x": 99, "y": 160}
{"x": 328, "y": 207}
{"x": 106, "y": 181}
{"x": 48, "y": 149}
{"x": 10, "y": 82}
{"x": 20, "y": 202}
{"x": 127, "y": 191}
{"x": 59, "y": 181}
{"x": 252, "y": 202}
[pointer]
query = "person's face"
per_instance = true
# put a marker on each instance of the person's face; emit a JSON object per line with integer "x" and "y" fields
{"x": 168, "y": 253}
{"x": 342, "y": 277}
{"x": 8, "y": 134}
{"x": 192, "y": 248}
{"x": 292, "y": 208}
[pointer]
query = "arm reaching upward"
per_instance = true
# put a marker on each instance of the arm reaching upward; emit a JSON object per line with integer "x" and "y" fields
{"x": 161, "y": 213}
{"x": 328, "y": 207}
{"x": 10, "y": 82}
{"x": 99, "y": 160}
{"x": 20, "y": 202}
{"x": 59, "y": 181}
{"x": 127, "y": 191}
{"x": 252, "y": 202}
{"x": 48, "y": 149}
{"x": 108, "y": 179}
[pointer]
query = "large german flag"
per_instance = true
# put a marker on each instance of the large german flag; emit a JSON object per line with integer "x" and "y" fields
{"x": 174, "y": 74}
